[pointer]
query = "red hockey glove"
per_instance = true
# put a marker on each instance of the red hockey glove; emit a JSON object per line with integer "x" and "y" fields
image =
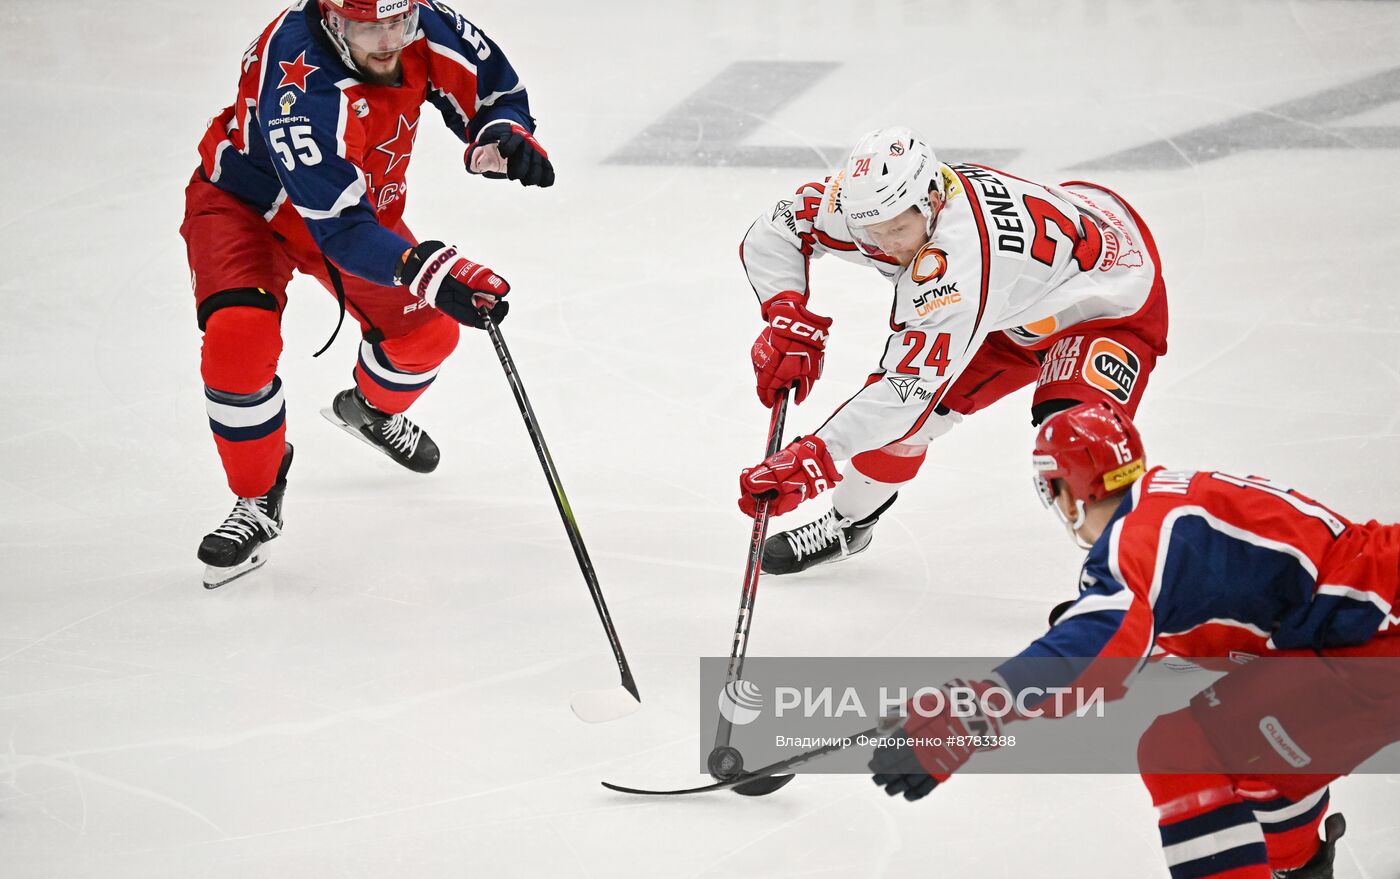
{"x": 454, "y": 285}
{"x": 802, "y": 470}
{"x": 947, "y": 728}
{"x": 790, "y": 349}
{"x": 510, "y": 150}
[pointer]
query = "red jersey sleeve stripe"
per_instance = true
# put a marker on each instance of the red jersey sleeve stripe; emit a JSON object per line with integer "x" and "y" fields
{"x": 827, "y": 241}
{"x": 986, "y": 247}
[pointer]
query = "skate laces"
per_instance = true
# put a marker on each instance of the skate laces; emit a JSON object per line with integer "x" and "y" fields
{"x": 246, "y": 520}
{"x": 402, "y": 434}
{"x": 816, "y": 536}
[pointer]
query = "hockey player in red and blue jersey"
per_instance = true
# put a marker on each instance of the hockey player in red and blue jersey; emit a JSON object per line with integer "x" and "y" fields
{"x": 306, "y": 171}
{"x": 1208, "y": 565}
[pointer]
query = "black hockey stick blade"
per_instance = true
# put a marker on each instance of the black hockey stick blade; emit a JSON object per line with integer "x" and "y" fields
{"x": 749, "y": 785}
{"x": 766, "y": 779}
{"x": 762, "y": 786}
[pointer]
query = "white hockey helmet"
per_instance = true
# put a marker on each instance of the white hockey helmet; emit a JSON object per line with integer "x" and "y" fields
{"x": 889, "y": 171}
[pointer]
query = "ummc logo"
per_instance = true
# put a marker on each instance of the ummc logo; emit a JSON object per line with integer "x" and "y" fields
{"x": 930, "y": 264}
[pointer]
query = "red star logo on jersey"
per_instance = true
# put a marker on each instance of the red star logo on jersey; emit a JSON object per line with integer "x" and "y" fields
{"x": 399, "y": 147}
{"x": 296, "y": 72}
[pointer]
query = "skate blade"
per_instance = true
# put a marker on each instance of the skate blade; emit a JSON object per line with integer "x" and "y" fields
{"x": 812, "y": 567}
{"x": 214, "y": 577}
{"x": 821, "y": 564}
{"x": 329, "y": 414}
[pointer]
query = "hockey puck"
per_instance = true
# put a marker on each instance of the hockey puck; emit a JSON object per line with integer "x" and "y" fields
{"x": 725, "y": 763}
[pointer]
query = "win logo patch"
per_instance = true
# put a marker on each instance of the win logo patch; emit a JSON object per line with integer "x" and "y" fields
{"x": 1112, "y": 369}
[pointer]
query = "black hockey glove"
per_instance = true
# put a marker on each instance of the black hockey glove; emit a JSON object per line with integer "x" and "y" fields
{"x": 453, "y": 284}
{"x": 898, "y": 771}
{"x": 936, "y": 740}
{"x": 515, "y": 147}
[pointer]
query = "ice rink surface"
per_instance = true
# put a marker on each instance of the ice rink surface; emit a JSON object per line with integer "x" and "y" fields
{"x": 388, "y": 697}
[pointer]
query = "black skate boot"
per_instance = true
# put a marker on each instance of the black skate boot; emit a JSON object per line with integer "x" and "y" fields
{"x": 239, "y": 546}
{"x": 829, "y": 539}
{"x": 1320, "y": 867}
{"x": 394, "y": 435}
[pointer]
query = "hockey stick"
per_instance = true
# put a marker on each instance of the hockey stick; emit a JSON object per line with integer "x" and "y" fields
{"x": 761, "y": 781}
{"x": 592, "y": 706}
{"x": 725, "y": 762}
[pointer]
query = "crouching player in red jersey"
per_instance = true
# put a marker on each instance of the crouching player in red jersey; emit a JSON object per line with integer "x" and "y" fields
{"x": 1203, "y": 565}
{"x": 306, "y": 172}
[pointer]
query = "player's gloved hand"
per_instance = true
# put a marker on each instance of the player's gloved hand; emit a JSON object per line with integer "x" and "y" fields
{"x": 801, "y": 470}
{"x": 955, "y": 721}
{"x": 511, "y": 151}
{"x": 790, "y": 350}
{"x": 454, "y": 285}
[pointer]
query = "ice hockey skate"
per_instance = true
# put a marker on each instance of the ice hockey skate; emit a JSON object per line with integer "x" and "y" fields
{"x": 394, "y": 435}
{"x": 829, "y": 539}
{"x": 1320, "y": 866}
{"x": 239, "y": 546}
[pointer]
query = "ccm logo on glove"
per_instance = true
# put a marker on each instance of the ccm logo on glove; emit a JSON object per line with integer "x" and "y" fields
{"x": 790, "y": 351}
{"x": 797, "y": 328}
{"x": 801, "y": 470}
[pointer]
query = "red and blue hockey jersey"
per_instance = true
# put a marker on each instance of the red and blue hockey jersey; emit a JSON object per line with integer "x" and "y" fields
{"x": 323, "y": 155}
{"x": 1206, "y": 564}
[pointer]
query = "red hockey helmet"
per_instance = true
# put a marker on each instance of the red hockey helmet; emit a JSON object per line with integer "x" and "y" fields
{"x": 1093, "y": 447}
{"x": 367, "y": 10}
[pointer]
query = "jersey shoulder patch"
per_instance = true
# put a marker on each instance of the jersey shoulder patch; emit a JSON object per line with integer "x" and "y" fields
{"x": 932, "y": 288}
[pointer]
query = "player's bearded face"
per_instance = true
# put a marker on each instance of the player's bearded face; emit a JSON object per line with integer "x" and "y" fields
{"x": 900, "y": 237}
{"x": 380, "y": 68}
{"x": 377, "y": 47}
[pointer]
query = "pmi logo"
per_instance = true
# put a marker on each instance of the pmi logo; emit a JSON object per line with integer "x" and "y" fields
{"x": 903, "y": 384}
{"x": 740, "y": 702}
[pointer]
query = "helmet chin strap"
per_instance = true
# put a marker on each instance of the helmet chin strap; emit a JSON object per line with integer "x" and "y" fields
{"x": 1072, "y": 526}
{"x": 342, "y": 46}
{"x": 935, "y": 207}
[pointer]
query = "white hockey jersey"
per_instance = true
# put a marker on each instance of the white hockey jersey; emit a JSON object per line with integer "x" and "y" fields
{"x": 1008, "y": 255}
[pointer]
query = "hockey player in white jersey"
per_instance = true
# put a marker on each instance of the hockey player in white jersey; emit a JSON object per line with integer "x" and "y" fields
{"x": 999, "y": 283}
